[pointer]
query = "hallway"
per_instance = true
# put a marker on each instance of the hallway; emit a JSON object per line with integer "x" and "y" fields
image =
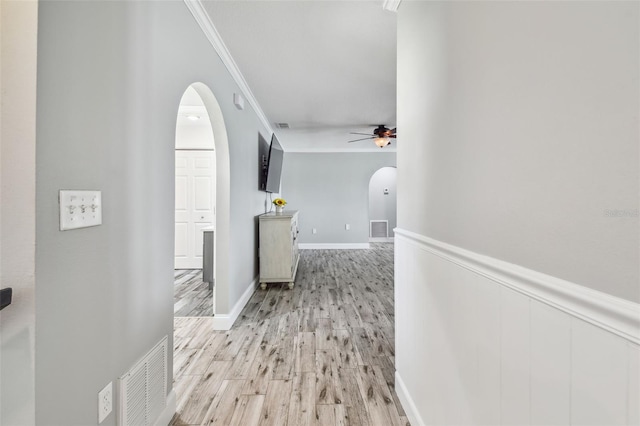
{"x": 191, "y": 295}
{"x": 322, "y": 353}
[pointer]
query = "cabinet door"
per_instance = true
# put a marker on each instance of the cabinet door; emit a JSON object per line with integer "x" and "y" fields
{"x": 275, "y": 249}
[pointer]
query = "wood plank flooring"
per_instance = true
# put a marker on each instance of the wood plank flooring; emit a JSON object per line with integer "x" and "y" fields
{"x": 320, "y": 354}
{"x": 191, "y": 295}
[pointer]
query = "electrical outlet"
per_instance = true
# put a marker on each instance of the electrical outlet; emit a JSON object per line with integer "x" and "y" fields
{"x": 347, "y": 226}
{"x": 105, "y": 402}
{"x": 314, "y": 231}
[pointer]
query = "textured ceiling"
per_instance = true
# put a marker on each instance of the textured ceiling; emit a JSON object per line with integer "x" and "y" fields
{"x": 324, "y": 67}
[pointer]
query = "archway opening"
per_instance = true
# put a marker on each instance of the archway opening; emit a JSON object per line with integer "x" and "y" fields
{"x": 382, "y": 204}
{"x": 201, "y": 204}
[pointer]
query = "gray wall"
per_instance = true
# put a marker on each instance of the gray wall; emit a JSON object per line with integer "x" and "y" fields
{"x": 520, "y": 134}
{"x": 110, "y": 79}
{"x": 331, "y": 190}
{"x": 382, "y": 206}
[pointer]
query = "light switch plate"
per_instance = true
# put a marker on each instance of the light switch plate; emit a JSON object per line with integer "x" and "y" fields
{"x": 80, "y": 209}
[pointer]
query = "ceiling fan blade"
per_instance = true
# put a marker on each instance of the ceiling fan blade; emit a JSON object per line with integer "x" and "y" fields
{"x": 363, "y": 139}
{"x": 354, "y": 133}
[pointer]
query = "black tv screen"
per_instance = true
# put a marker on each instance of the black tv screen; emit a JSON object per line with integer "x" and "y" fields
{"x": 274, "y": 167}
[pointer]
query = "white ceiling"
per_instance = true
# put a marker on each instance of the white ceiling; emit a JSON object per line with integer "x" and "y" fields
{"x": 192, "y": 112}
{"x": 326, "y": 68}
{"x": 193, "y": 127}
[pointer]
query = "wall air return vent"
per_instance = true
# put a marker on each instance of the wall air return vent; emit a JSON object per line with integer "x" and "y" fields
{"x": 379, "y": 228}
{"x": 283, "y": 125}
{"x": 143, "y": 389}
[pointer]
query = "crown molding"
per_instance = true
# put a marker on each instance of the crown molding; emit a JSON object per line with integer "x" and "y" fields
{"x": 391, "y": 5}
{"x": 204, "y": 22}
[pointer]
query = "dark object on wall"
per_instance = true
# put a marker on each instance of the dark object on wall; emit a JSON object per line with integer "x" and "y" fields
{"x": 274, "y": 165}
{"x": 5, "y": 297}
{"x": 263, "y": 158}
{"x": 207, "y": 257}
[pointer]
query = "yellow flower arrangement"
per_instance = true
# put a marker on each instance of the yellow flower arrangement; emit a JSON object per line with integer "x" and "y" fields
{"x": 279, "y": 202}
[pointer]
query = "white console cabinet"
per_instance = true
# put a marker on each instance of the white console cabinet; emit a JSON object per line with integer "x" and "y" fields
{"x": 278, "y": 248}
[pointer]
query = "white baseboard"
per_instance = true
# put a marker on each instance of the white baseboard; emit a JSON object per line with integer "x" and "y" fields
{"x": 333, "y": 246}
{"x": 225, "y": 321}
{"x": 381, "y": 239}
{"x": 169, "y": 411}
{"x": 407, "y": 403}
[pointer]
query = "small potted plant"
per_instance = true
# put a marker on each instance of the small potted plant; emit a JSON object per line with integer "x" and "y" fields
{"x": 279, "y": 203}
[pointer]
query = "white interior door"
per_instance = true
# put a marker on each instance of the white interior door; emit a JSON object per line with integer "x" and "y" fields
{"x": 195, "y": 205}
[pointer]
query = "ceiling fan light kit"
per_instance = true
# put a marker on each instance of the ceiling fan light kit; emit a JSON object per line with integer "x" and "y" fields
{"x": 381, "y": 142}
{"x": 381, "y": 136}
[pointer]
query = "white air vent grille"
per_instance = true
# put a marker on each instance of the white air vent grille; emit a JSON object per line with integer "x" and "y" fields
{"x": 282, "y": 125}
{"x": 379, "y": 228}
{"x": 143, "y": 389}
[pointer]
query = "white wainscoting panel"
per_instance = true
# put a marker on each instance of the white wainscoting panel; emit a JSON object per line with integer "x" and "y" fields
{"x": 633, "y": 414}
{"x": 514, "y": 354}
{"x": 408, "y": 269}
{"x": 479, "y": 341}
{"x": 461, "y": 355}
{"x": 551, "y": 360}
{"x": 435, "y": 340}
{"x": 487, "y": 391}
{"x": 599, "y": 371}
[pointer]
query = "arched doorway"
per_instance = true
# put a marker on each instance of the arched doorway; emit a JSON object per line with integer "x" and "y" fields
{"x": 202, "y": 202}
{"x": 382, "y": 204}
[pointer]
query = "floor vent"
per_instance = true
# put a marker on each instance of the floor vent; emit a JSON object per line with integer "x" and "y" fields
{"x": 143, "y": 389}
{"x": 379, "y": 228}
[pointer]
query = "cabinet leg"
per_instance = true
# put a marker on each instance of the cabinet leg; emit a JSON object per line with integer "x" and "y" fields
{"x": 290, "y": 286}
{"x": 263, "y": 286}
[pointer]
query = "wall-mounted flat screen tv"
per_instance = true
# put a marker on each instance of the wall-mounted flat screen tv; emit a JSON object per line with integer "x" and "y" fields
{"x": 274, "y": 165}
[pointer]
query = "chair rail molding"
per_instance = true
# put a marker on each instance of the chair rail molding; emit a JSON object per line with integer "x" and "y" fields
{"x": 618, "y": 316}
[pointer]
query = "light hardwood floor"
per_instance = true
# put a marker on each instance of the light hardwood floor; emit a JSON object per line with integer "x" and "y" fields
{"x": 192, "y": 297}
{"x": 320, "y": 354}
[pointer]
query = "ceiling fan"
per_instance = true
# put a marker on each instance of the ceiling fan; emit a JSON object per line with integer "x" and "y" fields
{"x": 381, "y": 136}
